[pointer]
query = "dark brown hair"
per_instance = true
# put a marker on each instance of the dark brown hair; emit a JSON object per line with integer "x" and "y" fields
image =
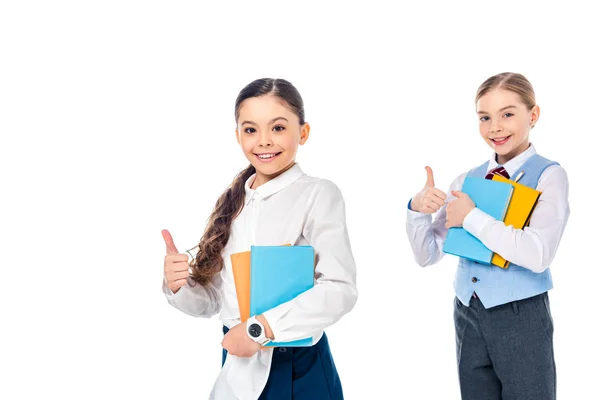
{"x": 208, "y": 261}
{"x": 510, "y": 81}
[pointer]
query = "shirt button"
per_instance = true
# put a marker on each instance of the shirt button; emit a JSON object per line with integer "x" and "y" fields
{"x": 282, "y": 349}
{"x": 474, "y": 279}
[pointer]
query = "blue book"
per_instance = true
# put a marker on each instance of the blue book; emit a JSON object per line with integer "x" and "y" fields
{"x": 278, "y": 274}
{"x": 491, "y": 197}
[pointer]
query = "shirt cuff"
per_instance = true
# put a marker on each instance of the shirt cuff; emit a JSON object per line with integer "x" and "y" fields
{"x": 415, "y": 216}
{"x": 476, "y": 221}
{"x": 273, "y": 316}
{"x": 167, "y": 291}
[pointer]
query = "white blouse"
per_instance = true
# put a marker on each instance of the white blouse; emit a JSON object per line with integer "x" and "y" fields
{"x": 291, "y": 209}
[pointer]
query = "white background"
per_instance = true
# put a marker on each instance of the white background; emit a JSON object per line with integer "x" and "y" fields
{"x": 116, "y": 121}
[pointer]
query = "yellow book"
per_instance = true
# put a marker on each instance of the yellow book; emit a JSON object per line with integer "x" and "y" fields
{"x": 519, "y": 211}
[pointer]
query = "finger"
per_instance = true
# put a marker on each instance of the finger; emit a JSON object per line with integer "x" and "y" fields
{"x": 428, "y": 210}
{"x": 457, "y": 194}
{"x": 178, "y": 284}
{"x": 171, "y": 249}
{"x": 177, "y": 266}
{"x": 178, "y": 257}
{"x": 430, "y": 181}
{"x": 435, "y": 200}
{"x": 431, "y": 205}
{"x": 226, "y": 344}
{"x": 178, "y": 275}
{"x": 437, "y": 193}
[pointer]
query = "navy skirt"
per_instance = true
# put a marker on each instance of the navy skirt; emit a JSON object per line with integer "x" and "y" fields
{"x": 301, "y": 373}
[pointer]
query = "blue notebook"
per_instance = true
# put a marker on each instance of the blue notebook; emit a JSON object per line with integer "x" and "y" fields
{"x": 277, "y": 275}
{"x": 491, "y": 197}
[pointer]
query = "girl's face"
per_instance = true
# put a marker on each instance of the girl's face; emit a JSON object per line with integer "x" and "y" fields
{"x": 269, "y": 133}
{"x": 504, "y": 123}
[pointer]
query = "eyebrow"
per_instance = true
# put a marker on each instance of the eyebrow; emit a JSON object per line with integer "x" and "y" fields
{"x": 270, "y": 122}
{"x": 502, "y": 109}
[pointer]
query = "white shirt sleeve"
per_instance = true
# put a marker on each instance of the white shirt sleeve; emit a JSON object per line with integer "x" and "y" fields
{"x": 426, "y": 234}
{"x": 534, "y": 246}
{"x": 196, "y": 300}
{"x": 334, "y": 293}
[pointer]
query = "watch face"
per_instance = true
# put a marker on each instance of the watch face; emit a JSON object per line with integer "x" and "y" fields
{"x": 255, "y": 330}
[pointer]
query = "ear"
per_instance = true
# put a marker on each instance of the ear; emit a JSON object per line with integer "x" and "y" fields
{"x": 237, "y": 136}
{"x": 535, "y": 115}
{"x": 304, "y": 133}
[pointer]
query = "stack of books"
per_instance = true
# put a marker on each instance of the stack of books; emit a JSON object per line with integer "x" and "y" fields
{"x": 267, "y": 276}
{"x": 503, "y": 199}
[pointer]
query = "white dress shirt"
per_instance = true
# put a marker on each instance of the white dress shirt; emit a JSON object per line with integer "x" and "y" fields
{"x": 291, "y": 209}
{"x": 533, "y": 247}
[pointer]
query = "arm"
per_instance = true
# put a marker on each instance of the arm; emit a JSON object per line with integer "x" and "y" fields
{"x": 534, "y": 246}
{"x": 334, "y": 293}
{"x": 427, "y": 235}
{"x": 194, "y": 299}
{"x": 197, "y": 300}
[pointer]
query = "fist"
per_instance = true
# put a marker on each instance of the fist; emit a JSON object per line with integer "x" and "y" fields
{"x": 458, "y": 209}
{"x": 429, "y": 200}
{"x": 176, "y": 264}
{"x": 237, "y": 342}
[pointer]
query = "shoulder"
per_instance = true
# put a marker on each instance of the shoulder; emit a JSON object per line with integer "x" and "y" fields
{"x": 480, "y": 167}
{"x": 320, "y": 187}
{"x": 321, "y": 196}
{"x": 479, "y": 170}
{"x": 553, "y": 170}
{"x": 459, "y": 180}
{"x": 554, "y": 173}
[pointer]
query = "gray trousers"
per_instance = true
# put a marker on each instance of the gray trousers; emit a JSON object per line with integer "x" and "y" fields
{"x": 505, "y": 352}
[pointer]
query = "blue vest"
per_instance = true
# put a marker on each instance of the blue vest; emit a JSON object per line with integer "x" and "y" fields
{"x": 494, "y": 285}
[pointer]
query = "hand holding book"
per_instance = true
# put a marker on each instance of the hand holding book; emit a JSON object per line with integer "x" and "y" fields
{"x": 503, "y": 199}
{"x": 457, "y": 210}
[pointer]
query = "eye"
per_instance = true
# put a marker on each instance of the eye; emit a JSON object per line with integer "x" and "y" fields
{"x": 484, "y": 118}
{"x": 278, "y": 128}
{"x": 507, "y": 115}
{"x": 249, "y": 130}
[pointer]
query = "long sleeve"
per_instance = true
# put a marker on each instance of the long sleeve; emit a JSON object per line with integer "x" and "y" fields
{"x": 196, "y": 300}
{"x": 334, "y": 293}
{"x": 534, "y": 246}
{"x": 427, "y": 234}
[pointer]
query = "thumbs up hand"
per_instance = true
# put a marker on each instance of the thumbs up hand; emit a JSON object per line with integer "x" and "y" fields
{"x": 176, "y": 264}
{"x": 429, "y": 199}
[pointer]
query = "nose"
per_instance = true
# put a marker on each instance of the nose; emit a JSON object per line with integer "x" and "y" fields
{"x": 265, "y": 139}
{"x": 495, "y": 126}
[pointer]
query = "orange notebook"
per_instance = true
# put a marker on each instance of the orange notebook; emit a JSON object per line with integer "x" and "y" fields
{"x": 519, "y": 211}
{"x": 240, "y": 263}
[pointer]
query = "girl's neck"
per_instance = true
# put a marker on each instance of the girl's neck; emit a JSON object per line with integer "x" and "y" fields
{"x": 260, "y": 179}
{"x": 503, "y": 159}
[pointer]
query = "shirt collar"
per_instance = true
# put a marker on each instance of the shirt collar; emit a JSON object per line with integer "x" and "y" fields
{"x": 513, "y": 165}
{"x": 274, "y": 185}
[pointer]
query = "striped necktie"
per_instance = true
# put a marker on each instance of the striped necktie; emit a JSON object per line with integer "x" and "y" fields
{"x": 497, "y": 171}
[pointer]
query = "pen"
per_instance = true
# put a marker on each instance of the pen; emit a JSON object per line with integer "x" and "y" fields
{"x": 519, "y": 176}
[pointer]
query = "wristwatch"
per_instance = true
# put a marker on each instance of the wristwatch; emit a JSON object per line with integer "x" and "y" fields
{"x": 256, "y": 331}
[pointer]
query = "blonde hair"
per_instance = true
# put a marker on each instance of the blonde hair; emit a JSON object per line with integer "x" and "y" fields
{"x": 510, "y": 81}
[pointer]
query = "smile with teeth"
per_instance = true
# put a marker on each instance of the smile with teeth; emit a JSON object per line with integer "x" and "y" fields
{"x": 267, "y": 156}
{"x": 500, "y": 140}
